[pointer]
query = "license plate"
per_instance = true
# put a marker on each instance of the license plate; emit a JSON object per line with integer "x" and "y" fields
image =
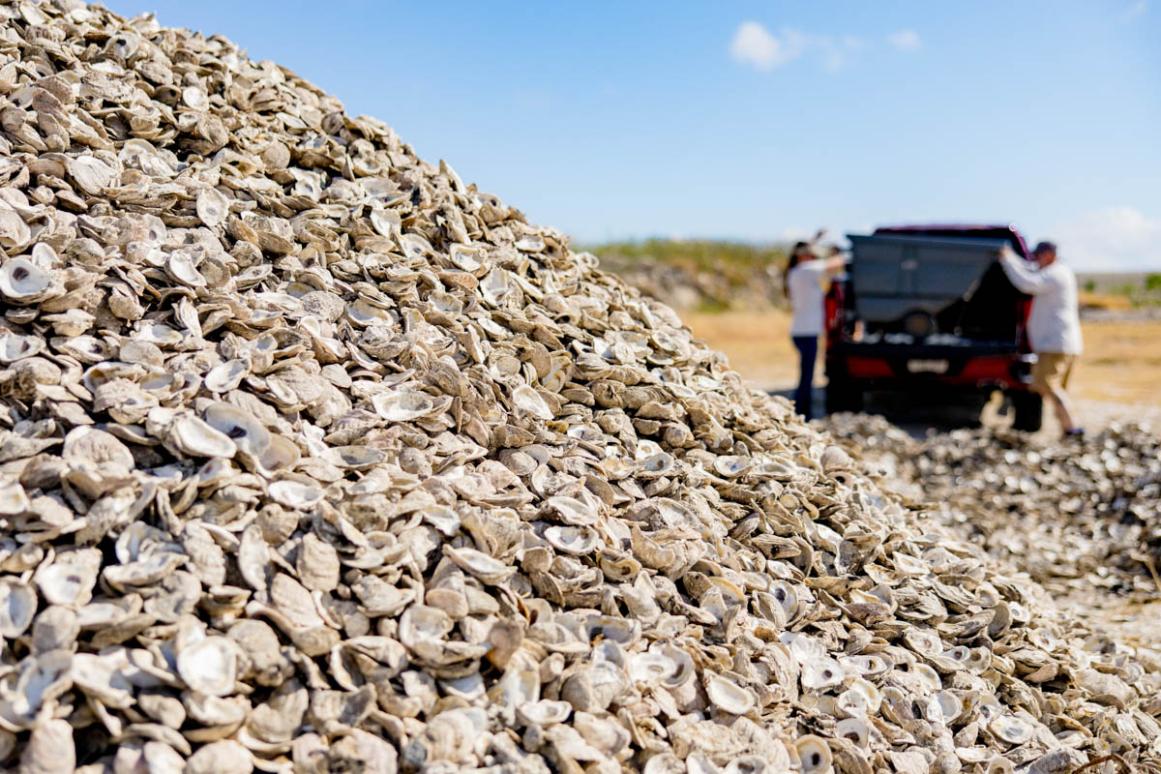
{"x": 927, "y": 366}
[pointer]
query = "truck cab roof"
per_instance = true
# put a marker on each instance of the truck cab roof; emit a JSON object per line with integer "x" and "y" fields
{"x": 1008, "y": 233}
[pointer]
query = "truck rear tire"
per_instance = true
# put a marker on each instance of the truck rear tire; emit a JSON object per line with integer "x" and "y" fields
{"x": 1028, "y": 411}
{"x": 843, "y": 395}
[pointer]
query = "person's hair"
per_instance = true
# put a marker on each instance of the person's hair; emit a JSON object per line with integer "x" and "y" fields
{"x": 791, "y": 262}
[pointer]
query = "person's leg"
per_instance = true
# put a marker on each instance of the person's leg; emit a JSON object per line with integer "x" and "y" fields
{"x": 1049, "y": 379}
{"x": 1063, "y": 408}
{"x": 807, "y": 353}
{"x": 1039, "y": 384}
{"x": 798, "y": 345}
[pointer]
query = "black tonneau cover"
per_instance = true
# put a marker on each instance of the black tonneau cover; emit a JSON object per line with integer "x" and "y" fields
{"x": 949, "y": 274}
{"x": 897, "y": 275}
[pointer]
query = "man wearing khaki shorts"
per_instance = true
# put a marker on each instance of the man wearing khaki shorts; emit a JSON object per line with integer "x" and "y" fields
{"x": 1053, "y": 326}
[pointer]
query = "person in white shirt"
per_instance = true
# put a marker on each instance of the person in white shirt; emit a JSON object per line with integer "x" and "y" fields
{"x": 1053, "y": 326}
{"x": 803, "y": 281}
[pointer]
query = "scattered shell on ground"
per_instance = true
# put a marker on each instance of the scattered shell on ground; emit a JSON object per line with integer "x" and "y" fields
{"x": 314, "y": 457}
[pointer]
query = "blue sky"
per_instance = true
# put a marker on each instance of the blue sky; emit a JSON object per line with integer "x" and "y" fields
{"x": 755, "y": 120}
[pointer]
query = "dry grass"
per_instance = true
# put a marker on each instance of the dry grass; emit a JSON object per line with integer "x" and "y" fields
{"x": 1110, "y": 301}
{"x": 1122, "y": 363}
{"x": 757, "y": 343}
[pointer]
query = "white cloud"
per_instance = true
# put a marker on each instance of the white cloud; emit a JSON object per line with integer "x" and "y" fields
{"x": 834, "y": 53}
{"x": 1111, "y": 239}
{"x": 905, "y": 40}
{"x": 756, "y": 46}
{"x": 1134, "y": 10}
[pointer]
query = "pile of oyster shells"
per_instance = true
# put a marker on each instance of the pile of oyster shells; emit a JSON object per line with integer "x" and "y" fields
{"x": 314, "y": 458}
{"x": 1075, "y": 514}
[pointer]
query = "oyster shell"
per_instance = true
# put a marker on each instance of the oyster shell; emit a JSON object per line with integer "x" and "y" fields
{"x": 314, "y": 457}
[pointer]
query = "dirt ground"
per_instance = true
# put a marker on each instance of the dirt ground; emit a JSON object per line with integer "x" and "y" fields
{"x": 757, "y": 344}
{"x": 1118, "y": 377}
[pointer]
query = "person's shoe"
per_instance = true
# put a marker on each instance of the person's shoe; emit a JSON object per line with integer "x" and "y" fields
{"x": 1074, "y": 432}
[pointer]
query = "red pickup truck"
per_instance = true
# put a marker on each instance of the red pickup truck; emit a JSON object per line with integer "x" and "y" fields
{"x": 927, "y": 309}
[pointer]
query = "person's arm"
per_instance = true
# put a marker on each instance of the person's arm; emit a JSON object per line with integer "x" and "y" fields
{"x": 823, "y": 267}
{"x": 835, "y": 265}
{"x": 1025, "y": 279}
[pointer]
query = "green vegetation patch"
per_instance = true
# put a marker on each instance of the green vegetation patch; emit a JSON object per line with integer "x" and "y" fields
{"x": 699, "y": 254}
{"x": 1142, "y": 289}
{"x": 724, "y": 275}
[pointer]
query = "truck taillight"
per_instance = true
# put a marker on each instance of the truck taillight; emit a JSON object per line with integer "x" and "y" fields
{"x": 834, "y": 314}
{"x": 1025, "y": 311}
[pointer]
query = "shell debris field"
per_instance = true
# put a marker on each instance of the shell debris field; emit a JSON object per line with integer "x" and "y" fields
{"x": 314, "y": 458}
{"x": 1081, "y": 516}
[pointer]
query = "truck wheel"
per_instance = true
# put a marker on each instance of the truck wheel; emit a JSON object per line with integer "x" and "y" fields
{"x": 843, "y": 395}
{"x": 1028, "y": 410}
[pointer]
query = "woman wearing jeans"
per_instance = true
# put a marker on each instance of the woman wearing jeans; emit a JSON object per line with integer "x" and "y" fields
{"x": 805, "y": 273}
